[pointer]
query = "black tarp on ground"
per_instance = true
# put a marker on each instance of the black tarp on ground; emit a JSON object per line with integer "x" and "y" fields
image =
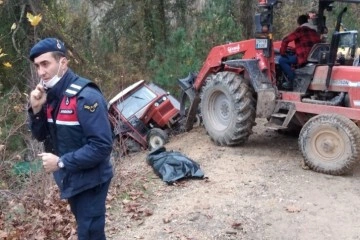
{"x": 172, "y": 166}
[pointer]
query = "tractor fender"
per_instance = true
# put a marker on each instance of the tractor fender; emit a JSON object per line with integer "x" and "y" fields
{"x": 266, "y": 92}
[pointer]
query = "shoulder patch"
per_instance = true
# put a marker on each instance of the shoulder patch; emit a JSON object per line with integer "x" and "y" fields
{"x": 91, "y": 108}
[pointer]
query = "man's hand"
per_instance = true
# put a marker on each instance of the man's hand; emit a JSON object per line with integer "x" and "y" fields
{"x": 37, "y": 98}
{"x": 49, "y": 161}
{"x": 283, "y": 52}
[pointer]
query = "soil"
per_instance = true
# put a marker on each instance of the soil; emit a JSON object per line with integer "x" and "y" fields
{"x": 259, "y": 190}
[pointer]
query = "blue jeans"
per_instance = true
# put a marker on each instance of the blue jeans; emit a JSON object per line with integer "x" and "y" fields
{"x": 285, "y": 64}
{"x": 88, "y": 208}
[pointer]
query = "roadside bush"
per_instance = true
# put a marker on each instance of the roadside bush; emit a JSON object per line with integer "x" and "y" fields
{"x": 13, "y": 135}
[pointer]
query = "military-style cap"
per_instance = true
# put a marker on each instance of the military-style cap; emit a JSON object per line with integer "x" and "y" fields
{"x": 47, "y": 45}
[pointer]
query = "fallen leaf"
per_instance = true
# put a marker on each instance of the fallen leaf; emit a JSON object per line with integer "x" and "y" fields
{"x": 236, "y": 225}
{"x": 13, "y": 26}
{"x": 34, "y": 20}
{"x": 7, "y": 64}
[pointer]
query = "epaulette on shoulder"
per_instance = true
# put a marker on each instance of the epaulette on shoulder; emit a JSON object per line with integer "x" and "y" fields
{"x": 76, "y": 87}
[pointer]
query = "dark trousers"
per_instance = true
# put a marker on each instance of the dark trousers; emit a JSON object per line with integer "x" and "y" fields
{"x": 285, "y": 64}
{"x": 89, "y": 209}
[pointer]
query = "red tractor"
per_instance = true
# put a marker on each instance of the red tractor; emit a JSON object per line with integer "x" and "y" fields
{"x": 240, "y": 81}
{"x": 141, "y": 116}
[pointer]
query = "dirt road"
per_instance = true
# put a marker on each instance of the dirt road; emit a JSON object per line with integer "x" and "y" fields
{"x": 256, "y": 191}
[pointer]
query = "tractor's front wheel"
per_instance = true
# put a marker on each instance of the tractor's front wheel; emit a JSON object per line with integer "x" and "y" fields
{"x": 228, "y": 108}
{"x": 156, "y": 138}
{"x": 330, "y": 144}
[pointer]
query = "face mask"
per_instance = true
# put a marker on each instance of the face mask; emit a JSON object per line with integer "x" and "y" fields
{"x": 54, "y": 80}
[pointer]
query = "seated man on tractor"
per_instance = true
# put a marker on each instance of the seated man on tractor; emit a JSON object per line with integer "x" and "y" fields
{"x": 305, "y": 36}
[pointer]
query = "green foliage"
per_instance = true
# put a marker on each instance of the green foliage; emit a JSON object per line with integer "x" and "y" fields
{"x": 9, "y": 76}
{"x": 175, "y": 61}
{"x": 217, "y": 25}
{"x": 12, "y": 135}
{"x": 125, "y": 42}
{"x": 186, "y": 50}
{"x": 12, "y": 121}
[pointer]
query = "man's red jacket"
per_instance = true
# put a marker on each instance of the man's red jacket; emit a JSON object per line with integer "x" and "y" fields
{"x": 304, "y": 37}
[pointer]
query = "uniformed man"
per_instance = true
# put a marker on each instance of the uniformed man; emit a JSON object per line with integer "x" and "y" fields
{"x": 69, "y": 114}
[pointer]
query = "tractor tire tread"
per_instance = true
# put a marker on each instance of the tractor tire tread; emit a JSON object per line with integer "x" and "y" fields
{"x": 351, "y": 130}
{"x": 242, "y": 97}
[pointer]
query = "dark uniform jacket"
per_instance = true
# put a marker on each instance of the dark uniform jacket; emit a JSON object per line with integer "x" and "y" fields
{"x": 78, "y": 130}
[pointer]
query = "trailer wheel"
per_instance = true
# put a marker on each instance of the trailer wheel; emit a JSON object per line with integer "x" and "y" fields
{"x": 156, "y": 138}
{"x": 228, "y": 108}
{"x": 330, "y": 144}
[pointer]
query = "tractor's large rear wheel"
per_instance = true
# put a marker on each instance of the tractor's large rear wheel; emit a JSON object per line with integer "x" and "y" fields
{"x": 330, "y": 144}
{"x": 228, "y": 108}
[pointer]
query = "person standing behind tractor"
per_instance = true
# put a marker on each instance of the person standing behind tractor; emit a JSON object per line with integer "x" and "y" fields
{"x": 305, "y": 36}
{"x": 313, "y": 21}
{"x": 312, "y": 18}
{"x": 69, "y": 114}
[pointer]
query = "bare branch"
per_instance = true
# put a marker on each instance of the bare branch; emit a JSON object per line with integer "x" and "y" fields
{"x": 17, "y": 28}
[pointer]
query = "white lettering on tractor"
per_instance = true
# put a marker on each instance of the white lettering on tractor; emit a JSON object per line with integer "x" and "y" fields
{"x": 357, "y": 103}
{"x": 346, "y": 83}
{"x": 234, "y": 49}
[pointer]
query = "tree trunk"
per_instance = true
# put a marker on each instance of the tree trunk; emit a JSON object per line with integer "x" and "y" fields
{"x": 246, "y": 16}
